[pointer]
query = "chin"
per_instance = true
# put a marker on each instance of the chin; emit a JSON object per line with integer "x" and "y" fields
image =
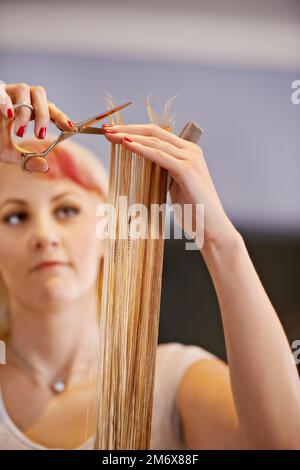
{"x": 57, "y": 293}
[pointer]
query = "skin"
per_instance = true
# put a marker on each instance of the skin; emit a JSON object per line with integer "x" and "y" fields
{"x": 52, "y": 221}
{"x": 253, "y": 402}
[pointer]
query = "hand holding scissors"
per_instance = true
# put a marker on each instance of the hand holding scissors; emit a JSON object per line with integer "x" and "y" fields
{"x": 41, "y": 164}
{"x": 21, "y": 103}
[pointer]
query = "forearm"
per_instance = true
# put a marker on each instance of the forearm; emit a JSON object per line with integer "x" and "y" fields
{"x": 264, "y": 379}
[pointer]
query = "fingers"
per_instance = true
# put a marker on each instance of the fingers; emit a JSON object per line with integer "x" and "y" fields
{"x": 151, "y": 130}
{"x": 21, "y": 93}
{"x": 6, "y": 106}
{"x": 44, "y": 110}
{"x": 60, "y": 118}
{"x": 41, "y": 111}
{"x": 157, "y": 152}
{"x": 148, "y": 141}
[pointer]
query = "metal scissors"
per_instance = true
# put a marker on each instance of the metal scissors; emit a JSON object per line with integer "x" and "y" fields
{"x": 83, "y": 127}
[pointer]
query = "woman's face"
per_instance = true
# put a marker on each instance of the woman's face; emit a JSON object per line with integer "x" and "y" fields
{"x": 44, "y": 220}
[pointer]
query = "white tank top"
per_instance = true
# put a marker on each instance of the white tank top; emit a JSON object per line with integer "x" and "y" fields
{"x": 173, "y": 359}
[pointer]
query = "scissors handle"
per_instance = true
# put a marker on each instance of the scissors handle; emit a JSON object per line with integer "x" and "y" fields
{"x": 41, "y": 163}
{"x": 61, "y": 137}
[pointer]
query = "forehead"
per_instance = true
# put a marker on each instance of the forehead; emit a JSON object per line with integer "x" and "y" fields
{"x": 33, "y": 187}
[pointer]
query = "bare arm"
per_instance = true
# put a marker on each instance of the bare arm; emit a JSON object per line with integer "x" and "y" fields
{"x": 262, "y": 376}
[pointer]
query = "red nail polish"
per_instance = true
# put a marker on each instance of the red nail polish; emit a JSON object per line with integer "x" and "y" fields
{"x": 10, "y": 113}
{"x": 110, "y": 131}
{"x": 21, "y": 131}
{"x": 42, "y": 133}
{"x": 127, "y": 139}
{"x": 71, "y": 123}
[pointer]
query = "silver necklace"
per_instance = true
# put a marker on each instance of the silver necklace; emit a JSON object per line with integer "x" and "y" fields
{"x": 59, "y": 385}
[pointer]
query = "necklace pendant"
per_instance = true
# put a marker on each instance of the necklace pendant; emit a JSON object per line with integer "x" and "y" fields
{"x": 58, "y": 387}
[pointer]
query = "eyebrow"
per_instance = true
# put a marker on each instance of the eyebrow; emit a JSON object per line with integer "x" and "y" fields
{"x": 24, "y": 203}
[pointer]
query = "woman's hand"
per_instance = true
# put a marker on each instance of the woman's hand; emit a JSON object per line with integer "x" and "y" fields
{"x": 17, "y": 121}
{"x": 192, "y": 182}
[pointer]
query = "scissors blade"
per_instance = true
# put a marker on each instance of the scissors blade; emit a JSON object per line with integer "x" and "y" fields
{"x": 92, "y": 130}
{"x": 99, "y": 117}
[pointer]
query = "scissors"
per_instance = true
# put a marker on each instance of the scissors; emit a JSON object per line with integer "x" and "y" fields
{"x": 83, "y": 127}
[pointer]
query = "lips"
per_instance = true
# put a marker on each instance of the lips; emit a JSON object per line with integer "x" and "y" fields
{"x": 49, "y": 264}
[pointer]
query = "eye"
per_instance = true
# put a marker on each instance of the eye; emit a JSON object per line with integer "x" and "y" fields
{"x": 15, "y": 218}
{"x": 67, "y": 212}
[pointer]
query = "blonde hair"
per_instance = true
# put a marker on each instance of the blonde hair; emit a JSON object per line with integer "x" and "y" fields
{"x": 130, "y": 304}
{"x": 68, "y": 160}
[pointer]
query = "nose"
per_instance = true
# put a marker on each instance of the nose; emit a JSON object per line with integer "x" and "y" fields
{"x": 44, "y": 235}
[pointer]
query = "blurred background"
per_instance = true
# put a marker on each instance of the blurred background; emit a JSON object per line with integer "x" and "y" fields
{"x": 232, "y": 64}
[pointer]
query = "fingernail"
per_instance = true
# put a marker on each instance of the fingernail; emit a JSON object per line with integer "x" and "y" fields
{"x": 128, "y": 140}
{"x": 107, "y": 125}
{"x": 71, "y": 123}
{"x": 111, "y": 132}
{"x": 42, "y": 133}
{"x": 10, "y": 113}
{"x": 21, "y": 131}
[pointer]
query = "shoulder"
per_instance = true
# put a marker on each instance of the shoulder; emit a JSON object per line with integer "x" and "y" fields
{"x": 201, "y": 372}
{"x": 206, "y": 406}
{"x": 179, "y": 354}
{"x": 202, "y": 378}
{"x": 174, "y": 359}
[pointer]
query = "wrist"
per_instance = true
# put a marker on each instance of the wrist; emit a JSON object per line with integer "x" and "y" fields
{"x": 226, "y": 239}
